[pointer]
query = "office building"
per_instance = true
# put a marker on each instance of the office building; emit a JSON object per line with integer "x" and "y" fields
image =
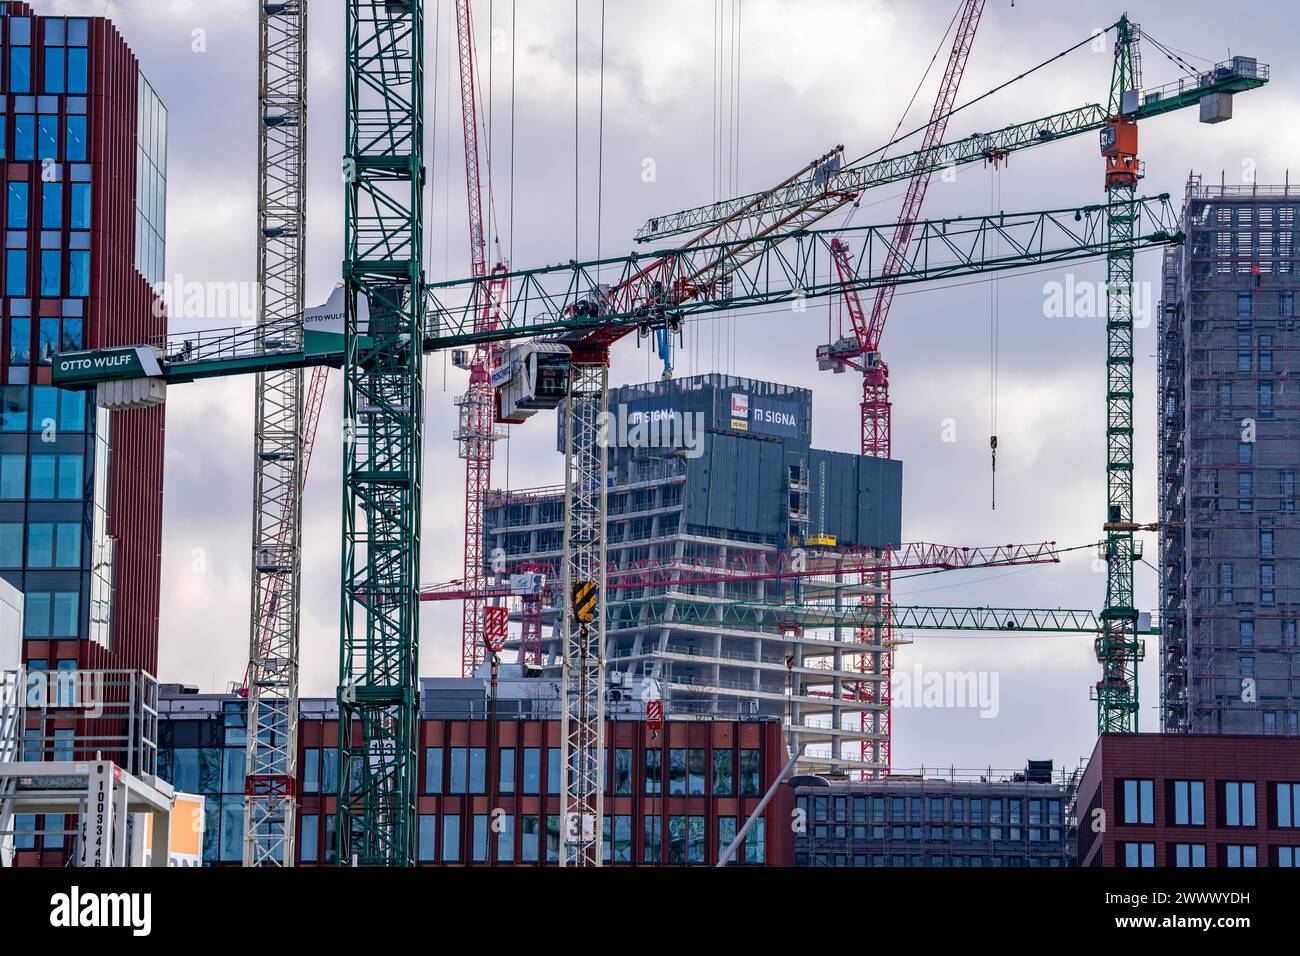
{"x": 1190, "y": 800}
{"x": 84, "y": 159}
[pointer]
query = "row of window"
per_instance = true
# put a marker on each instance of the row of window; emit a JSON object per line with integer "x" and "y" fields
{"x": 36, "y": 137}
{"x": 918, "y": 860}
{"x": 463, "y": 770}
{"x": 1237, "y": 804}
{"x": 65, "y": 43}
{"x": 52, "y": 410}
{"x": 508, "y": 839}
{"x": 49, "y": 545}
{"x": 1034, "y": 810}
{"x": 1193, "y": 855}
{"x": 50, "y": 282}
{"x": 52, "y": 212}
{"x": 42, "y": 477}
{"x": 936, "y": 833}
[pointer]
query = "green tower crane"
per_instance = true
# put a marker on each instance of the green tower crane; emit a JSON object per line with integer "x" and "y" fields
{"x": 383, "y": 416}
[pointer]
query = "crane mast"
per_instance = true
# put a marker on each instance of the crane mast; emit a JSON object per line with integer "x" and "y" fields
{"x": 279, "y": 445}
{"x": 1118, "y": 647}
{"x": 383, "y": 419}
{"x": 876, "y": 432}
{"x": 476, "y": 431}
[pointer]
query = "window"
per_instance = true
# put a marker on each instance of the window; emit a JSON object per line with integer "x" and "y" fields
{"x": 1139, "y": 801}
{"x": 13, "y": 477}
{"x": 552, "y": 769}
{"x": 75, "y": 139}
{"x": 1246, "y": 632}
{"x": 426, "y": 844}
{"x": 20, "y": 69}
{"x": 726, "y": 834}
{"x": 310, "y": 770}
{"x": 16, "y": 213}
{"x": 532, "y": 769}
{"x": 25, "y": 137}
{"x": 11, "y": 545}
{"x": 695, "y": 773}
{"x": 1245, "y": 452}
{"x": 53, "y": 545}
{"x": 749, "y": 773}
{"x": 308, "y": 837}
{"x": 1239, "y": 804}
{"x": 477, "y": 770}
{"x": 480, "y": 847}
{"x": 1266, "y": 542}
{"x": 1288, "y": 804}
{"x": 1189, "y": 802}
{"x": 451, "y": 834}
{"x": 653, "y": 847}
{"x": 52, "y": 205}
{"x": 1288, "y": 856}
{"x": 695, "y": 839}
{"x": 56, "y": 477}
{"x": 433, "y": 770}
{"x": 506, "y": 775}
{"x": 618, "y": 849}
{"x": 79, "y": 272}
{"x": 1189, "y": 854}
{"x": 1244, "y": 303}
{"x": 1139, "y": 854}
{"x": 16, "y": 272}
{"x": 677, "y": 771}
{"x": 1245, "y": 490}
{"x": 1240, "y": 856}
{"x": 755, "y": 846}
{"x": 1265, "y": 399}
{"x": 653, "y": 772}
{"x": 506, "y": 839}
{"x": 530, "y": 834}
{"x": 47, "y": 137}
{"x": 621, "y": 782}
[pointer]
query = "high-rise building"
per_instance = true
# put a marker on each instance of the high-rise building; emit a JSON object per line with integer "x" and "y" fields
{"x": 955, "y": 818}
{"x": 715, "y": 478}
{"x": 1229, "y": 433}
{"x": 83, "y": 143}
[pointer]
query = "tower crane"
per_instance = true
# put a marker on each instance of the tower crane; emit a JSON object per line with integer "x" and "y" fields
{"x": 826, "y": 185}
{"x": 381, "y": 361}
{"x": 477, "y": 419}
{"x": 280, "y": 447}
{"x": 876, "y": 429}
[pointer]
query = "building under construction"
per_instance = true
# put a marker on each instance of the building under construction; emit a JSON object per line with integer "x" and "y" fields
{"x": 1229, "y": 453}
{"x": 711, "y": 477}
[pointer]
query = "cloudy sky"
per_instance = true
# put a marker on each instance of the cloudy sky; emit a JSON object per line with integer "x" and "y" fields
{"x": 811, "y": 74}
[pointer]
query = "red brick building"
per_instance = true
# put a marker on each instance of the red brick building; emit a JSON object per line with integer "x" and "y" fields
{"x": 1190, "y": 800}
{"x": 489, "y": 792}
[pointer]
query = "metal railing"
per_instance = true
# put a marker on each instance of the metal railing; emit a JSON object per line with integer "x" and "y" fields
{"x": 114, "y": 715}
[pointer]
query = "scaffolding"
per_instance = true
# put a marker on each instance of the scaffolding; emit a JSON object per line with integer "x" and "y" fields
{"x": 1229, "y": 453}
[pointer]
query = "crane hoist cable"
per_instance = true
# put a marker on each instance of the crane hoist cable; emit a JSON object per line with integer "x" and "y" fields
{"x": 995, "y": 201}
{"x": 983, "y": 96}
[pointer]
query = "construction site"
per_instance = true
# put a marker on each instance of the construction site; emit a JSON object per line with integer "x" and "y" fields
{"x": 638, "y": 605}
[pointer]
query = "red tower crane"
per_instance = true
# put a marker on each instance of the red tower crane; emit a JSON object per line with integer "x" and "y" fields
{"x": 477, "y": 421}
{"x": 864, "y": 354}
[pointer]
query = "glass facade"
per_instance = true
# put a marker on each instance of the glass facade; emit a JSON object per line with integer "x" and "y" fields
{"x": 54, "y": 447}
{"x": 151, "y": 184}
